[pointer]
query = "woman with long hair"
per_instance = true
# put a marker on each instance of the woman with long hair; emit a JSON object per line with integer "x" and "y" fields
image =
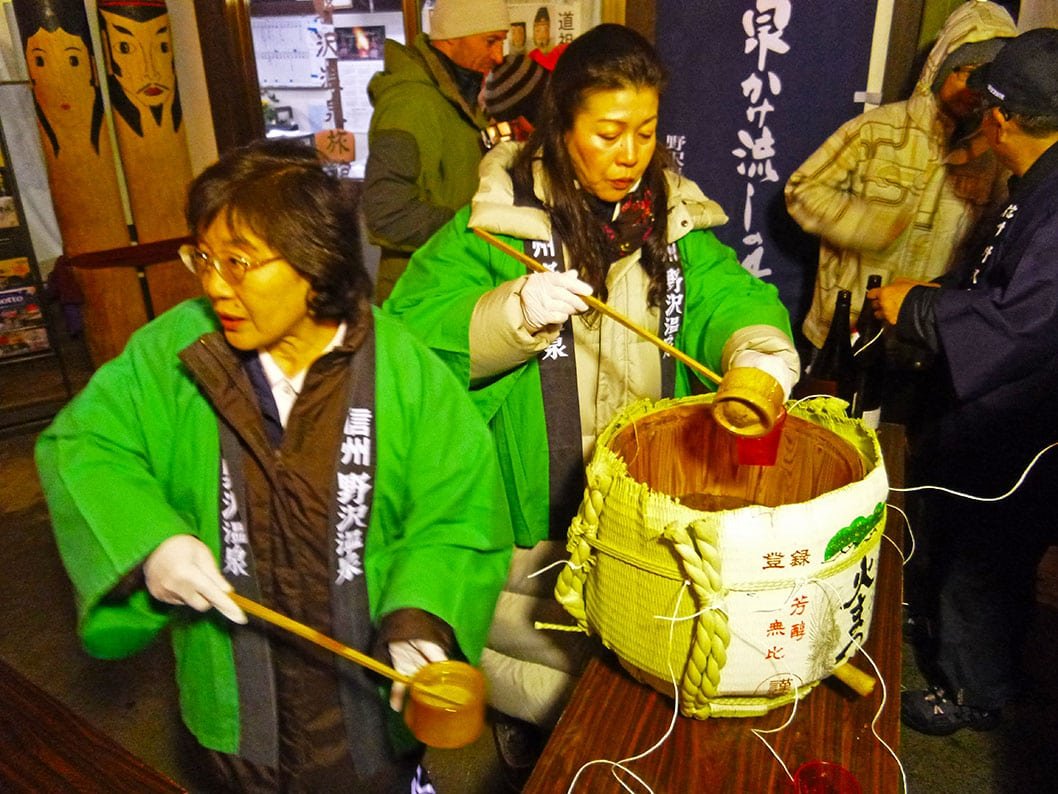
{"x": 591, "y": 196}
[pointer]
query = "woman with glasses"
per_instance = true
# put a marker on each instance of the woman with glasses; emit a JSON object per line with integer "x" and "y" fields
{"x": 280, "y": 438}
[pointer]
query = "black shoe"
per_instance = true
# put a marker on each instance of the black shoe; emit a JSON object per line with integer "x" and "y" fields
{"x": 932, "y": 712}
{"x": 519, "y": 745}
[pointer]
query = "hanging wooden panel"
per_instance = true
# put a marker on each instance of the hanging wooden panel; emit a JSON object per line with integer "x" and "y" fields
{"x": 150, "y": 130}
{"x": 80, "y": 162}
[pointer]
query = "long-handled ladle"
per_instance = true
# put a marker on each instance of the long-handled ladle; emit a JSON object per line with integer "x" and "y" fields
{"x": 446, "y": 703}
{"x": 761, "y": 403}
{"x": 251, "y": 607}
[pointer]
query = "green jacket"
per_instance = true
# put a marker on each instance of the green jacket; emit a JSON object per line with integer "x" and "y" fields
{"x": 134, "y": 459}
{"x": 424, "y": 146}
{"x": 446, "y": 278}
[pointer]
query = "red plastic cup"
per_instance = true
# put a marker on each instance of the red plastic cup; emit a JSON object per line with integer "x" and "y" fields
{"x": 762, "y": 450}
{"x": 825, "y": 777}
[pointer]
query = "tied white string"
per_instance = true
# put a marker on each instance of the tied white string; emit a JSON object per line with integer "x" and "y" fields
{"x": 885, "y": 694}
{"x": 873, "y": 339}
{"x": 910, "y": 532}
{"x": 621, "y": 765}
{"x": 999, "y": 498}
{"x": 759, "y": 733}
{"x": 806, "y": 398}
{"x": 546, "y": 568}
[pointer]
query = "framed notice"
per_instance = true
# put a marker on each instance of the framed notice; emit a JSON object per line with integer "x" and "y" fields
{"x": 291, "y": 51}
{"x": 543, "y": 26}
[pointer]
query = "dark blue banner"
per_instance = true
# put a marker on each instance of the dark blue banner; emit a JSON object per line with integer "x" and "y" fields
{"x": 755, "y": 87}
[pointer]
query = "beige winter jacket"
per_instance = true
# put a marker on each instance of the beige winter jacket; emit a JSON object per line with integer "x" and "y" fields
{"x": 614, "y": 366}
{"x": 886, "y": 194}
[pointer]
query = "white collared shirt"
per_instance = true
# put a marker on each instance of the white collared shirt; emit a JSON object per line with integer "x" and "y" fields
{"x": 285, "y": 390}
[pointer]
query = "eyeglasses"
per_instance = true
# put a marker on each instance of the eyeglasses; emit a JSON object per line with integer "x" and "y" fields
{"x": 231, "y": 268}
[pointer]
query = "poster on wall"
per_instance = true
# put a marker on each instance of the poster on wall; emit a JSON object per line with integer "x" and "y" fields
{"x": 781, "y": 77}
{"x": 291, "y": 51}
{"x": 362, "y": 43}
{"x": 15, "y": 272}
{"x": 542, "y": 26}
{"x": 360, "y": 49}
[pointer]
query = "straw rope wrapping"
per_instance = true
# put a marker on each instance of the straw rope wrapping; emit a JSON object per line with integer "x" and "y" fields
{"x": 569, "y": 589}
{"x": 696, "y": 545}
{"x": 654, "y": 571}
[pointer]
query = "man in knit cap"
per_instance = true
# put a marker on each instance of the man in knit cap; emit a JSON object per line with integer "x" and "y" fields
{"x": 425, "y": 136}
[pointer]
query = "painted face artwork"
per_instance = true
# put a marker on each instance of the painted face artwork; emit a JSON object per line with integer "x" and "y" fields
{"x": 140, "y": 57}
{"x": 613, "y": 137}
{"x": 61, "y": 73}
{"x": 517, "y": 37}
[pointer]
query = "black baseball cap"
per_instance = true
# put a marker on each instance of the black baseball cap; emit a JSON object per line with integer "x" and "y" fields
{"x": 1023, "y": 77}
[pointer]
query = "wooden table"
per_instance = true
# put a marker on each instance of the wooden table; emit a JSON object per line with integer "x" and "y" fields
{"x": 611, "y": 716}
{"x": 44, "y": 746}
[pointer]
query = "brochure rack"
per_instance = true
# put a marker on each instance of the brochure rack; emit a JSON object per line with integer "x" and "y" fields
{"x": 26, "y": 332}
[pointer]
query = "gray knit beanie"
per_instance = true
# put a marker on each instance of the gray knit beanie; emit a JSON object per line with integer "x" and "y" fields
{"x": 515, "y": 88}
{"x": 973, "y": 53}
{"x": 453, "y": 19}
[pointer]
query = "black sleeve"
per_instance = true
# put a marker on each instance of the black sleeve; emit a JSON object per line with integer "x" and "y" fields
{"x": 917, "y": 324}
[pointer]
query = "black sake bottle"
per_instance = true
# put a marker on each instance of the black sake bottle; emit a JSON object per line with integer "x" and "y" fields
{"x": 832, "y": 372}
{"x": 868, "y": 353}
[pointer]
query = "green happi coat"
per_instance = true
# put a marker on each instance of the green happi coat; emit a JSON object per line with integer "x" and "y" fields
{"x": 440, "y": 291}
{"x": 134, "y": 460}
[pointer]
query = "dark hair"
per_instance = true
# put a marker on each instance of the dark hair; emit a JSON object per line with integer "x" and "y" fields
{"x": 280, "y": 190}
{"x": 606, "y": 58}
{"x": 1036, "y": 125}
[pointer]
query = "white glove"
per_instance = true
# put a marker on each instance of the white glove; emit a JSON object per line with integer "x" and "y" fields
{"x": 770, "y": 363}
{"x": 410, "y": 656}
{"x": 550, "y": 298}
{"x": 182, "y": 571}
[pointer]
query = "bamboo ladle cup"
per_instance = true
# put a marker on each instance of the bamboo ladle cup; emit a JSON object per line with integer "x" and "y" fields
{"x": 446, "y": 707}
{"x": 749, "y": 401}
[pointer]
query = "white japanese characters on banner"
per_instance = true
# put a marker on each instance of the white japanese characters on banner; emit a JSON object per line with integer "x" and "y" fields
{"x": 755, "y": 86}
{"x": 354, "y": 485}
{"x": 234, "y": 537}
{"x": 763, "y": 26}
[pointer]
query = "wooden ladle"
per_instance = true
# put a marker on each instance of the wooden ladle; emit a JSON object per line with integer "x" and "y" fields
{"x": 251, "y": 607}
{"x": 754, "y": 397}
{"x": 446, "y": 703}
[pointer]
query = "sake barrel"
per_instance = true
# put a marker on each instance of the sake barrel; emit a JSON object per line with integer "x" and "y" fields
{"x": 744, "y": 585}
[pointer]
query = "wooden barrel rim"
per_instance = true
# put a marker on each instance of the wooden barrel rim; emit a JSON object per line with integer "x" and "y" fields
{"x": 681, "y": 451}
